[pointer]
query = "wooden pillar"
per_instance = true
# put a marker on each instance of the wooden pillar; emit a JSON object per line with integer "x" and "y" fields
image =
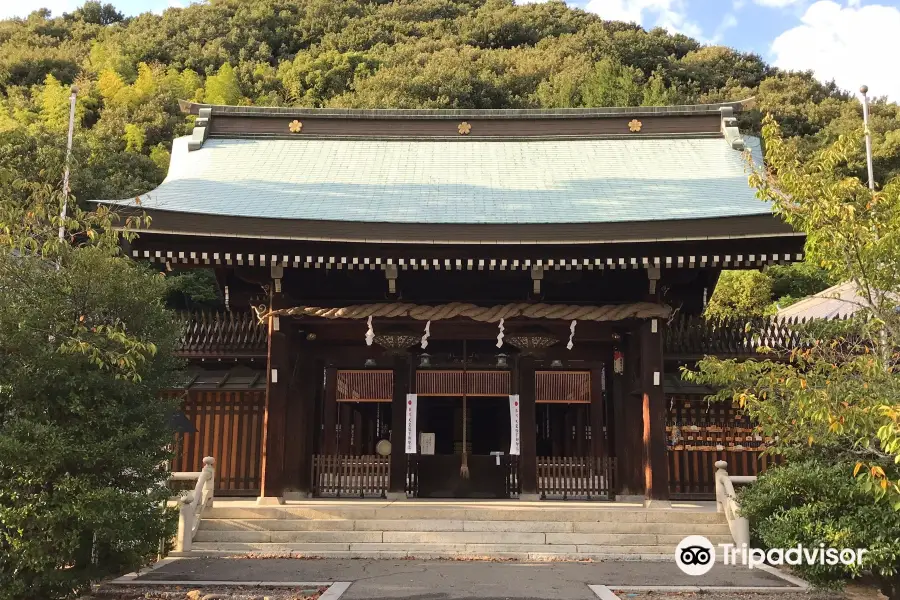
{"x": 275, "y": 418}
{"x": 329, "y": 435}
{"x": 656, "y": 468}
{"x": 527, "y": 430}
{"x": 627, "y": 427}
{"x": 397, "y": 483}
{"x": 598, "y": 439}
{"x": 310, "y": 375}
{"x": 300, "y": 409}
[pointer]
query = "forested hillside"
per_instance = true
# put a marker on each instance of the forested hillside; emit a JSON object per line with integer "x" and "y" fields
{"x": 358, "y": 53}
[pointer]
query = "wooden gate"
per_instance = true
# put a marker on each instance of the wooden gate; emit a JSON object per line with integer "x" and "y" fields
{"x": 572, "y": 461}
{"x": 350, "y": 476}
{"x": 229, "y": 428}
{"x": 576, "y": 478}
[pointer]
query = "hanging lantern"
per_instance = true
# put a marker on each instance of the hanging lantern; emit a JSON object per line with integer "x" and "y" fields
{"x": 502, "y": 362}
{"x": 531, "y": 339}
{"x": 396, "y": 340}
{"x": 618, "y": 362}
{"x": 424, "y": 361}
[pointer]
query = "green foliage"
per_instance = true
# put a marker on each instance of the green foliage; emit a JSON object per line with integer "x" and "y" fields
{"x": 797, "y": 280}
{"x": 86, "y": 346}
{"x": 763, "y": 293}
{"x": 740, "y": 294}
{"x": 355, "y": 53}
{"x": 192, "y": 289}
{"x": 223, "y": 87}
{"x": 811, "y": 503}
{"x": 840, "y": 393}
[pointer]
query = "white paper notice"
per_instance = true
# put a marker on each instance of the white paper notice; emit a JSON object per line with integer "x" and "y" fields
{"x": 411, "y": 405}
{"x": 426, "y": 443}
{"x": 514, "y": 433}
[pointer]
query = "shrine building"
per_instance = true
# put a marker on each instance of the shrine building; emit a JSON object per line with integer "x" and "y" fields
{"x": 454, "y": 303}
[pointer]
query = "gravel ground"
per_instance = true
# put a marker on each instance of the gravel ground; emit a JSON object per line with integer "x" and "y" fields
{"x": 213, "y": 592}
{"x": 853, "y": 591}
{"x": 730, "y": 596}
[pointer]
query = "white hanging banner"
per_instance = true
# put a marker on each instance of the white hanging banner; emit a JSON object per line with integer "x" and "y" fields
{"x": 411, "y": 407}
{"x": 514, "y": 433}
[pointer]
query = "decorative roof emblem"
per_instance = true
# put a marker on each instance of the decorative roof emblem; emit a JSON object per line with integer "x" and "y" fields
{"x": 634, "y": 125}
{"x": 464, "y": 128}
{"x": 295, "y": 126}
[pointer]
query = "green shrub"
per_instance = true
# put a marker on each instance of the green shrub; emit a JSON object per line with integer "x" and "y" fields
{"x": 84, "y": 349}
{"x": 812, "y": 503}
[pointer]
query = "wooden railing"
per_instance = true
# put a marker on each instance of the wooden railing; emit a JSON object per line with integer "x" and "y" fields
{"x": 513, "y": 486}
{"x": 692, "y": 473}
{"x": 350, "y": 476}
{"x": 412, "y": 476}
{"x": 574, "y": 478}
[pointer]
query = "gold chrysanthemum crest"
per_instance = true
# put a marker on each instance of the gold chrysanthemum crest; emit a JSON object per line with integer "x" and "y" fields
{"x": 295, "y": 126}
{"x": 634, "y": 125}
{"x": 464, "y": 128}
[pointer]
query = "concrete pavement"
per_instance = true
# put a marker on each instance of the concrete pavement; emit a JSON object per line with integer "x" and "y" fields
{"x": 452, "y": 580}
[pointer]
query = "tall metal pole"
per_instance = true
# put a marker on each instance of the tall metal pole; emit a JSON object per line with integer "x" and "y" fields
{"x": 62, "y": 214}
{"x": 864, "y": 90}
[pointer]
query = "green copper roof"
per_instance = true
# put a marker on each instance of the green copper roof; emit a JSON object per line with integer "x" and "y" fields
{"x": 439, "y": 181}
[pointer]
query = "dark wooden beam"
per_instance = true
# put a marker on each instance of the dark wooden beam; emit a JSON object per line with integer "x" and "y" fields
{"x": 397, "y": 483}
{"x": 598, "y": 414}
{"x": 627, "y": 422}
{"x": 330, "y": 410}
{"x": 656, "y": 469}
{"x": 528, "y": 428}
{"x": 299, "y": 444}
{"x": 275, "y": 418}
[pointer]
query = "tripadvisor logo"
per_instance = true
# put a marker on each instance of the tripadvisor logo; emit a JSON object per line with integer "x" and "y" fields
{"x": 696, "y": 555}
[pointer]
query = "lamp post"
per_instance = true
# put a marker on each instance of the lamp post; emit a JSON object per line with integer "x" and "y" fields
{"x": 62, "y": 214}
{"x": 864, "y": 90}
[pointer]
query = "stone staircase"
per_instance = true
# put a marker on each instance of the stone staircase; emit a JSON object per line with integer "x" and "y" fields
{"x": 518, "y": 530}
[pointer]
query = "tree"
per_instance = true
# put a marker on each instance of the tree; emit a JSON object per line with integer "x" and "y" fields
{"x": 841, "y": 393}
{"x": 86, "y": 346}
{"x": 223, "y": 88}
{"x": 836, "y": 399}
{"x": 740, "y": 294}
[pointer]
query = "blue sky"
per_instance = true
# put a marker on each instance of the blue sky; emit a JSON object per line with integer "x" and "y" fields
{"x": 850, "y": 41}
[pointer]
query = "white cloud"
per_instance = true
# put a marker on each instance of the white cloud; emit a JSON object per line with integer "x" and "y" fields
{"x": 729, "y": 21}
{"x": 778, "y": 3}
{"x": 23, "y": 8}
{"x": 669, "y": 14}
{"x": 851, "y": 44}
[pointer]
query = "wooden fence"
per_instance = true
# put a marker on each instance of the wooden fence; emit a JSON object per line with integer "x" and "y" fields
{"x": 692, "y": 473}
{"x": 230, "y": 429}
{"x": 574, "y": 478}
{"x": 350, "y": 476}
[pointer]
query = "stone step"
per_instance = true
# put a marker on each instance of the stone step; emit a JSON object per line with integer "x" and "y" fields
{"x": 292, "y": 537}
{"x": 604, "y": 527}
{"x": 556, "y": 514}
{"x": 432, "y": 550}
{"x": 446, "y": 537}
